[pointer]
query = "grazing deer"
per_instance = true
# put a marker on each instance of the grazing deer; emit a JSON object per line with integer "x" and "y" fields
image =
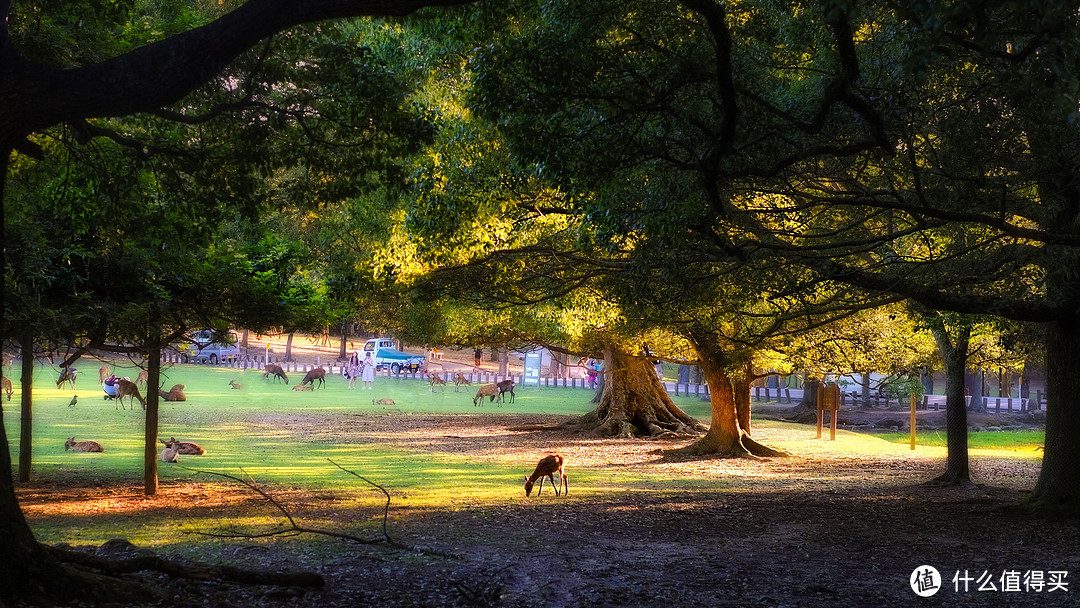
{"x": 235, "y": 384}
{"x": 460, "y": 379}
{"x": 176, "y": 393}
{"x": 436, "y": 380}
{"x": 488, "y": 390}
{"x": 506, "y": 386}
{"x": 169, "y": 454}
{"x": 316, "y": 374}
{"x": 188, "y": 448}
{"x": 68, "y": 374}
{"x": 547, "y": 467}
{"x": 303, "y": 387}
{"x": 383, "y": 401}
{"x": 82, "y": 446}
{"x": 5, "y": 384}
{"x": 142, "y": 378}
{"x": 127, "y": 388}
{"x": 276, "y": 372}
{"x": 103, "y": 372}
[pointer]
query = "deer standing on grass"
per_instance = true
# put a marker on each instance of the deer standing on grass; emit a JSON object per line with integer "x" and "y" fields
{"x": 275, "y": 371}
{"x": 127, "y": 388}
{"x": 436, "y": 380}
{"x": 142, "y": 378}
{"x": 6, "y": 383}
{"x": 488, "y": 390}
{"x": 103, "y": 373}
{"x": 547, "y": 467}
{"x": 68, "y": 374}
{"x": 460, "y": 379}
{"x": 316, "y": 374}
{"x": 506, "y": 386}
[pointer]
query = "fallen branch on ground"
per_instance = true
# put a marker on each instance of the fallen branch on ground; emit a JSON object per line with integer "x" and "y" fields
{"x": 294, "y": 529}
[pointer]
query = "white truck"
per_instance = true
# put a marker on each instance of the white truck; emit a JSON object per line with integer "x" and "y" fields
{"x": 386, "y": 356}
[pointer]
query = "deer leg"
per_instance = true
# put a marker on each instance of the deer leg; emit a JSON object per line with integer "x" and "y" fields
{"x": 553, "y": 486}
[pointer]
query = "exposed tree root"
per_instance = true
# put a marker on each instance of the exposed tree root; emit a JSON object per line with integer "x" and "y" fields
{"x": 143, "y": 560}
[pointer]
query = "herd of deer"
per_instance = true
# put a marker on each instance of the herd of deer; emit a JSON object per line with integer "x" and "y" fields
{"x": 548, "y": 466}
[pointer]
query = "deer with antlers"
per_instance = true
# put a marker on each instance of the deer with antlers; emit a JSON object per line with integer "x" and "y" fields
{"x": 547, "y": 467}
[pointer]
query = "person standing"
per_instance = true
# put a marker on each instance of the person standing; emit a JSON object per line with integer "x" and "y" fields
{"x": 353, "y": 370}
{"x": 368, "y": 371}
{"x": 478, "y": 355}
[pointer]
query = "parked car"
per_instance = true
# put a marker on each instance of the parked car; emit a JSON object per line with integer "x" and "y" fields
{"x": 201, "y": 348}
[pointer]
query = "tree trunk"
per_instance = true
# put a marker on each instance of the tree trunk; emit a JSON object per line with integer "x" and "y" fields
{"x": 27, "y": 570}
{"x": 1058, "y": 488}
{"x": 954, "y": 353}
{"x": 26, "y": 435}
{"x": 153, "y": 382}
{"x": 342, "y": 354}
{"x": 977, "y": 403}
{"x": 504, "y": 362}
{"x": 601, "y": 383}
{"x": 288, "y": 347}
{"x": 634, "y": 403}
{"x": 726, "y": 436}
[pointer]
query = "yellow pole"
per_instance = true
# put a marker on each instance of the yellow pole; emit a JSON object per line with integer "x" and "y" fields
{"x": 913, "y": 421}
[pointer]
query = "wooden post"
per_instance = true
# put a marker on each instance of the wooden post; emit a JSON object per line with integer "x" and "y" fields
{"x": 913, "y": 421}
{"x": 828, "y": 399}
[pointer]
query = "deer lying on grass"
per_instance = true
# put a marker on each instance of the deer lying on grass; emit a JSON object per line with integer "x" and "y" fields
{"x": 235, "y": 384}
{"x": 103, "y": 373}
{"x": 176, "y": 393}
{"x": 169, "y": 454}
{"x": 436, "y": 380}
{"x": 316, "y": 374}
{"x": 188, "y": 448}
{"x": 303, "y": 387}
{"x": 383, "y": 401}
{"x": 68, "y": 374}
{"x": 82, "y": 446}
{"x": 127, "y": 388}
{"x": 276, "y": 372}
{"x": 460, "y": 379}
{"x": 5, "y": 384}
{"x": 547, "y": 467}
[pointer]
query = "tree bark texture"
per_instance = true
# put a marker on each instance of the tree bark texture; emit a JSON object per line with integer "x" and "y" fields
{"x": 35, "y": 97}
{"x": 726, "y": 436}
{"x": 1058, "y": 488}
{"x": 634, "y": 403}
{"x": 954, "y": 352}
{"x": 26, "y": 434}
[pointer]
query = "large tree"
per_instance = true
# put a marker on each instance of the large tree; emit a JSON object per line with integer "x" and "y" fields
{"x": 45, "y": 91}
{"x": 925, "y": 151}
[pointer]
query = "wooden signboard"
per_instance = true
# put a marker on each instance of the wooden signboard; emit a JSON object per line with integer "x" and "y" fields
{"x": 828, "y": 399}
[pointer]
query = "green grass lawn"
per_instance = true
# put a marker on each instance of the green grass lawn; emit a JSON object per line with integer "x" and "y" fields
{"x": 221, "y": 420}
{"x": 254, "y": 432}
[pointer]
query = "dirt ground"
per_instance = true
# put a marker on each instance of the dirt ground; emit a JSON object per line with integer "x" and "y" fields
{"x": 820, "y": 528}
